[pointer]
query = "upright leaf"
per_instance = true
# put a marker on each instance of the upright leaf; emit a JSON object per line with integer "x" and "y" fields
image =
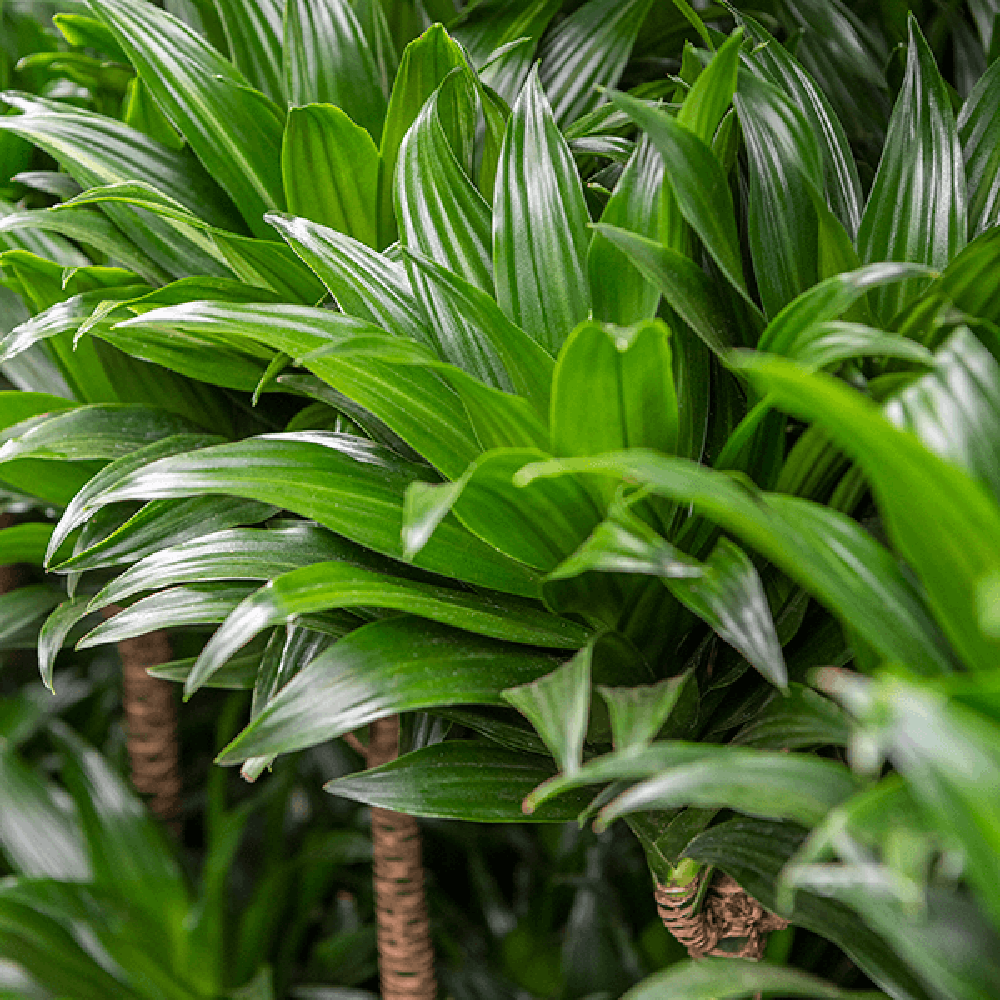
{"x": 979, "y": 131}
{"x": 916, "y": 208}
{"x": 253, "y": 30}
{"x": 540, "y": 234}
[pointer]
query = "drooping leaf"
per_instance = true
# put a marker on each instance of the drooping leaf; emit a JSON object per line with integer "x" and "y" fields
{"x": 231, "y": 128}
{"x": 540, "y": 234}
{"x": 916, "y": 209}
{"x": 475, "y": 782}
{"x": 329, "y": 60}
{"x": 400, "y": 664}
{"x": 330, "y": 170}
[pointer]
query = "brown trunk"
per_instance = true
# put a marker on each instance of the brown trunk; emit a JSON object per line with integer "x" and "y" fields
{"x": 406, "y": 954}
{"x": 730, "y": 923}
{"x": 151, "y": 724}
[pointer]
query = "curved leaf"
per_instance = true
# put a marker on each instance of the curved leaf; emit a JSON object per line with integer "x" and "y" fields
{"x": 254, "y": 32}
{"x": 979, "y": 132}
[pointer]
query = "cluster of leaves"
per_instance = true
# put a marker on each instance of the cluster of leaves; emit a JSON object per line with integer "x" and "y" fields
{"x": 579, "y": 425}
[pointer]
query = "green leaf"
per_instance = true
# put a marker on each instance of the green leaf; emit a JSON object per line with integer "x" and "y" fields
{"x": 622, "y": 294}
{"x": 949, "y": 555}
{"x": 685, "y": 286}
{"x": 232, "y": 129}
{"x": 107, "y": 431}
{"x": 769, "y": 785}
{"x": 773, "y": 62}
{"x": 698, "y": 182}
{"x": 729, "y": 596}
{"x": 196, "y": 604}
{"x": 916, "y": 208}
{"x": 979, "y": 132}
{"x": 328, "y": 60}
{"x": 254, "y": 32}
{"x": 827, "y": 553}
{"x": 52, "y": 636}
{"x": 798, "y": 718}
{"x": 725, "y": 978}
{"x": 587, "y": 50}
{"x": 24, "y": 543}
{"x": 326, "y": 585}
{"x": 399, "y": 664}
{"x": 638, "y": 713}
{"x": 499, "y": 353}
{"x": 330, "y": 171}
{"x": 425, "y": 63}
{"x": 345, "y": 483}
{"x": 458, "y": 779}
{"x": 364, "y": 283}
{"x": 540, "y": 229}
{"x": 826, "y": 344}
{"x": 613, "y": 388}
{"x": 558, "y": 706}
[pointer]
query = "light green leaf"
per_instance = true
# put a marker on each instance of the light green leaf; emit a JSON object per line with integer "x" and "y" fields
{"x": 916, "y": 208}
{"x": 540, "y": 234}
{"x": 24, "y": 543}
{"x": 330, "y": 171}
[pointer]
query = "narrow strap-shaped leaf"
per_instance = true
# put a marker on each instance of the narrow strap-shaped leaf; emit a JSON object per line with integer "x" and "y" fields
{"x": 345, "y": 483}
{"x": 364, "y": 283}
{"x": 230, "y": 128}
{"x": 425, "y": 63}
{"x": 621, "y": 293}
{"x": 52, "y": 636}
{"x": 254, "y": 32}
{"x": 540, "y": 230}
{"x": 825, "y": 552}
{"x": 328, "y": 60}
{"x": 950, "y": 555}
{"x": 323, "y": 586}
{"x": 475, "y": 782}
{"x": 588, "y": 50}
{"x": 439, "y": 211}
{"x": 774, "y": 63}
{"x": 330, "y": 171}
{"x": 979, "y": 131}
{"x": 916, "y": 209}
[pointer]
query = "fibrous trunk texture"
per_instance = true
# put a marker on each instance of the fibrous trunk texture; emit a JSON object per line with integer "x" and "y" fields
{"x": 406, "y": 954}
{"x": 730, "y": 923}
{"x": 151, "y": 724}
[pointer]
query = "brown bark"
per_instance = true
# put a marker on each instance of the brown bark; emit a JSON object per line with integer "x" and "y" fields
{"x": 151, "y": 724}
{"x": 728, "y": 914}
{"x": 406, "y": 954}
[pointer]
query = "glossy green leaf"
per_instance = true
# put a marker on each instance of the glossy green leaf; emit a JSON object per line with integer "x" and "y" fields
{"x": 586, "y": 50}
{"x": 638, "y": 713}
{"x": 24, "y": 543}
{"x": 683, "y": 284}
{"x": 540, "y": 230}
{"x": 458, "y": 779}
{"x": 254, "y": 32}
{"x": 775, "y": 64}
{"x": 195, "y": 604}
{"x": 698, "y": 183}
{"x": 232, "y": 129}
{"x": 773, "y": 786}
{"x": 827, "y": 344}
{"x": 364, "y": 283}
{"x": 916, "y": 209}
{"x": 798, "y": 718}
{"x": 400, "y": 664}
{"x": 345, "y": 483}
{"x": 729, "y": 596}
{"x": 825, "y": 552}
{"x": 979, "y": 132}
{"x": 106, "y": 431}
{"x": 328, "y": 60}
{"x": 558, "y": 706}
{"x": 330, "y": 170}
{"x": 613, "y": 388}
{"x": 949, "y": 556}
{"x": 439, "y": 211}
{"x": 424, "y": 64}
{"x": 325, "y": 585}
{"x": 725, "y": 978}
{"x": 501, "y": 354}
{"x": 622, "y": 294}
{"x": 54, "y": 632}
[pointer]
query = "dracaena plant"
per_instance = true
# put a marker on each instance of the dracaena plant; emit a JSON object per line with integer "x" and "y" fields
{"x": 470, "y": 372}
